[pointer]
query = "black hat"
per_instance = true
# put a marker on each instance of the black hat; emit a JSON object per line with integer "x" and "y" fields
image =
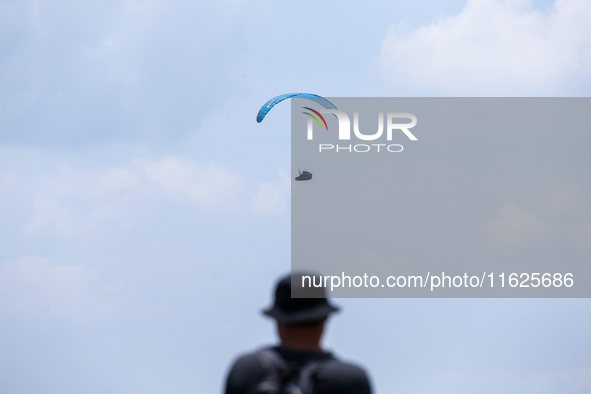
{"x": 313, "y": 306}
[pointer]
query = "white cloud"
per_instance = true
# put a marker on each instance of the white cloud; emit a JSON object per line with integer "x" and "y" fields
{"x": 511, "y": 227}
{"x": 205, "y": 185}
{"x": 51, "y": 213}
{"x": 36, "y": 284}
{"x": 10, "y": 181}
{"x": 495, "y": 47}
{"x": 565, "y": 198}
{"x": 116, "y": 181}
{"x": 71, "y": 201}
{"x": 272, "y": 197}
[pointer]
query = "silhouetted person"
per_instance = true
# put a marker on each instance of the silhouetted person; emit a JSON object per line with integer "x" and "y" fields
{"x": 299, "y": 365}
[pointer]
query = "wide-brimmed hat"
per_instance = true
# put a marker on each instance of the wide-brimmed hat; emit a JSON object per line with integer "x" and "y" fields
{"x": 308, "y": 305}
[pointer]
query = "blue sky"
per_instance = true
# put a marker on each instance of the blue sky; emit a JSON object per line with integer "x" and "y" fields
{"x": 145, "y": 214}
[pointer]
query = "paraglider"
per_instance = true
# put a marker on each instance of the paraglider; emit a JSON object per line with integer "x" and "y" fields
{"x": 304, "y": 176}
{"x": 276, "y": 100}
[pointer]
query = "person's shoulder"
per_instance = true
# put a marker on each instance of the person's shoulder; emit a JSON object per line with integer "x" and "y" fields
{"x": 246, "y": 360}
{"x": 344, "y": 369}
{"x": 343, "y": 377}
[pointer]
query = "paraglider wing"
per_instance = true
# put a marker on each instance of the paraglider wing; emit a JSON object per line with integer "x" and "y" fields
{"x": 276, "y": 100}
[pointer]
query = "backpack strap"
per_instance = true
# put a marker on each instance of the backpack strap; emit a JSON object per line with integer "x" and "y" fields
{"x": 307, "y": 375}
{"x": 269, "y": 358}
{"x": 282, "y": 373}
{"x": 275, "y": 370}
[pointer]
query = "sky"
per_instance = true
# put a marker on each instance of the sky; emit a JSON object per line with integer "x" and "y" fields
{"x": 145, "y": 215}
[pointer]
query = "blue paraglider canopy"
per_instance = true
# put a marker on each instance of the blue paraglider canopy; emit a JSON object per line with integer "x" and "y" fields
{"x": 275, "y": 100}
